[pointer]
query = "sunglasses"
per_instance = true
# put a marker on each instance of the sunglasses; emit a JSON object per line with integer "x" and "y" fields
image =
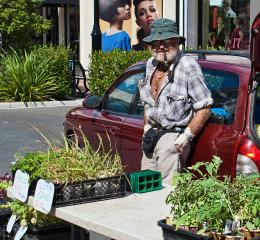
{"x": 166, "y": 43}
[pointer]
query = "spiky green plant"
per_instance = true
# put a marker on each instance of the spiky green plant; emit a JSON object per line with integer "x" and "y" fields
{"x": 23, "y": 80}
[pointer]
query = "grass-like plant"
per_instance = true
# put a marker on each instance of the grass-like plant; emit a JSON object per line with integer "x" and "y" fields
{"x": 68, "y": 163}
{"x": 23, "y": 80}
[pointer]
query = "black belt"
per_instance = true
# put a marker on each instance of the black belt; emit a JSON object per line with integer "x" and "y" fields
{"x": 158, "y": 126}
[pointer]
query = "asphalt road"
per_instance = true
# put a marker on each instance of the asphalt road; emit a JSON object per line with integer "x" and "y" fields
{"x": 17, "y": 134}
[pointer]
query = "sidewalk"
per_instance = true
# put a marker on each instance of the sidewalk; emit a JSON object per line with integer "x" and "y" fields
{"x": 18, "y": 105}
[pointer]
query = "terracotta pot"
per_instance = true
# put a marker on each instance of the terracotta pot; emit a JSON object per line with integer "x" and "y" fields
{"x": 247, "y": 235}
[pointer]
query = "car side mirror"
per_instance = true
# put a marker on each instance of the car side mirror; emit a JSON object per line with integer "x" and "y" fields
{"x": 91, "y": 101}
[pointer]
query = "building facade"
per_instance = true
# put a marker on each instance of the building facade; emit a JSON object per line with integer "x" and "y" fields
{"x": 204, "y": 23}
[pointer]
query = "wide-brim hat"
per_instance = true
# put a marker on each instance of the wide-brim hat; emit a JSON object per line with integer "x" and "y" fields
{"x": 162, "y": 29}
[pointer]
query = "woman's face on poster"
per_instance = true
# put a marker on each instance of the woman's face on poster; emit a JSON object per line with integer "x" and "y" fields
{"x": 146, "y": 13}
{"x": 124, "y": 12}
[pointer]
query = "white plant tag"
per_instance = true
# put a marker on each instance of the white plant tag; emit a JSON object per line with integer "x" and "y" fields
{"x": 21, "y": 231}
{"x": 21, "y": 185}
{"x": 43, "y": 196}
{"x": 10, "y": 223}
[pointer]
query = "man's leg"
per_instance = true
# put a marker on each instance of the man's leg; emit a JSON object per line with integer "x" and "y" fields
{"x": 149, "y": 163}
{"x": 168, "y": 157}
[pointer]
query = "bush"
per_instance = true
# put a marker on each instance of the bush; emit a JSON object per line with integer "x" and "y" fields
{"x": 59, "y": 67}
{"x": 104, "y": 68}
{"x": 39, "y": 75}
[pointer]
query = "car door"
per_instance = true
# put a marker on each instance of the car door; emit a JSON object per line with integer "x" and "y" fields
{"x": 132, "y": 131}
{"x": 116, "y": 108}
{"x": 229, "y": 85}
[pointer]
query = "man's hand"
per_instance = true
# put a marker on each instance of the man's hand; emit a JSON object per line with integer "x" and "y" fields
{"x": 183, "y": 139}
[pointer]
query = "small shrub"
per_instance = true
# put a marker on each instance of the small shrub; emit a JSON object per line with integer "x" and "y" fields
{"x": 23, "y": 80}
{"x": 104, "y": 68}
{"x": 39, "y": 75}
{"x": 58, "y": 68}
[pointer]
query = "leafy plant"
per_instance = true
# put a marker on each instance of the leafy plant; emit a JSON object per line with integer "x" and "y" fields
{"x": 19, "y": 22}
{"x": 197, "y": 200}
{"x": 104, "y": 68}
{"x": 248, "y": 203}
{"x": 30, "y": 163}
{"x": 23, "y": 80}
{"x": 201, "y": 197}
{"x": 28, "y": 216}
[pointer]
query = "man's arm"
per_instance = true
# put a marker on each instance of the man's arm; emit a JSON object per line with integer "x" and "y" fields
{"x": 193, "y": 128}
{"x": 198, "y": 120}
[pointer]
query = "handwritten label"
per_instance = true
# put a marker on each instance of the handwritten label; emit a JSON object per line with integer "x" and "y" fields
{"x": 21, "y": 231}
{"x": 43, "y": 196}
{"x": 10, "y": 223}
{"x": 21, "y": 185}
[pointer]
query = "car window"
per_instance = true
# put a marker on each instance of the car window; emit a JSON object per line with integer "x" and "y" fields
{"x": 224, "y": 87}
{"x": 120, "y": 99}
{"x": 138, "y": 111}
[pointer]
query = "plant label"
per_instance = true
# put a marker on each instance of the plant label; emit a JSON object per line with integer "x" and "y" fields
{"x": 21, "y": 231}
{"x": 10, "y": 223}
{"x": 43, "y": 196}
{"x": 21, "y": 185}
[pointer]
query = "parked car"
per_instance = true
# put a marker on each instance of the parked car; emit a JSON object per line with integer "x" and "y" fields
{"x": 234, "y": 81}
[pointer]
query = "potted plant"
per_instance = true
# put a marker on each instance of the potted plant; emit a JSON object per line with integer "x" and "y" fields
{"x": 212, "y": 206}
{"x": 79, "y": 175}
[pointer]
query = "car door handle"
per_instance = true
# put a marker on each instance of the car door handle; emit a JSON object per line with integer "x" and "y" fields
{"x": 113, "y": 130}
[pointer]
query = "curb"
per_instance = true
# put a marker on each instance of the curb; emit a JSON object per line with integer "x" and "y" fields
{"x": 18, "y": 105}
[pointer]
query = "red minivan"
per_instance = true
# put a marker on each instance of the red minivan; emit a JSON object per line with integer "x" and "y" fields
{"x": 232, "y": 132}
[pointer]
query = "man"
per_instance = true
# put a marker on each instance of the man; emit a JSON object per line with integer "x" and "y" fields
{"x": 176, "y": 100}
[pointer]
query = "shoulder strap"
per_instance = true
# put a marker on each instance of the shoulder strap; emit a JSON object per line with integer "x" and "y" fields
{"x": 177, "y": 60}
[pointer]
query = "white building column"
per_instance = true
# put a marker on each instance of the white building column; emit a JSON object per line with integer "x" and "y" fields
{"x": 192, "y": 23}
{"x": 86, "y": 26}
{"x": 61, "y": 23}
{"x": 169, "y": 9}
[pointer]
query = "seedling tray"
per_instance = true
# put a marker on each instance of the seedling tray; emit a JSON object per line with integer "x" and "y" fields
{"x": 145, "y": 181}
{"x": 89, "y": 191}
{"x": 170, "y": 233}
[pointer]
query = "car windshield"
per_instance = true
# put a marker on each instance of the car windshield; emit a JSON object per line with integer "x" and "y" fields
{"x": 224, "y": 88}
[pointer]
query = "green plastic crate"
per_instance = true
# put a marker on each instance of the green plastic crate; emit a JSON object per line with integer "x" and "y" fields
{"x": 145, "y": 181}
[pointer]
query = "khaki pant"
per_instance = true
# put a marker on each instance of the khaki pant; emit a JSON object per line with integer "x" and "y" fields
{"x": 165, "y": 157}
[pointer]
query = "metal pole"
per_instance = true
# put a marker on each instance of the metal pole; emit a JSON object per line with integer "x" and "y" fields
{"x": 96, "y": 33}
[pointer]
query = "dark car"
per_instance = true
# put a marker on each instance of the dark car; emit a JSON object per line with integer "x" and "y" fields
{"x": 230, "y": 133}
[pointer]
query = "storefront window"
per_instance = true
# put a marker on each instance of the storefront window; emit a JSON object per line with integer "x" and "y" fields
{"x": 226, "y": 24}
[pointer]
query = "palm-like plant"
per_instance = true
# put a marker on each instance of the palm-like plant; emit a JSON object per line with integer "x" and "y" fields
{"x": 24, "y": 80}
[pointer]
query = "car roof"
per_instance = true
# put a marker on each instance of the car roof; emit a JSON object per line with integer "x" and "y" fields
{"x": 237, "y": 58}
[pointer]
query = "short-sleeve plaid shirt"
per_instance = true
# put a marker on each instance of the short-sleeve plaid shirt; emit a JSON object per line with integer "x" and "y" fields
{"x": 177, "y": 100}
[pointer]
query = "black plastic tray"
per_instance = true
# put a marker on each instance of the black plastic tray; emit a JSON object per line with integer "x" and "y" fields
{"x": 89, "y": 191}
{"x": 170, "y": 233}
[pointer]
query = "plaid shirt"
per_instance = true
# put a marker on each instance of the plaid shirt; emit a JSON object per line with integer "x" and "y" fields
{"x": 177, "y": 100}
